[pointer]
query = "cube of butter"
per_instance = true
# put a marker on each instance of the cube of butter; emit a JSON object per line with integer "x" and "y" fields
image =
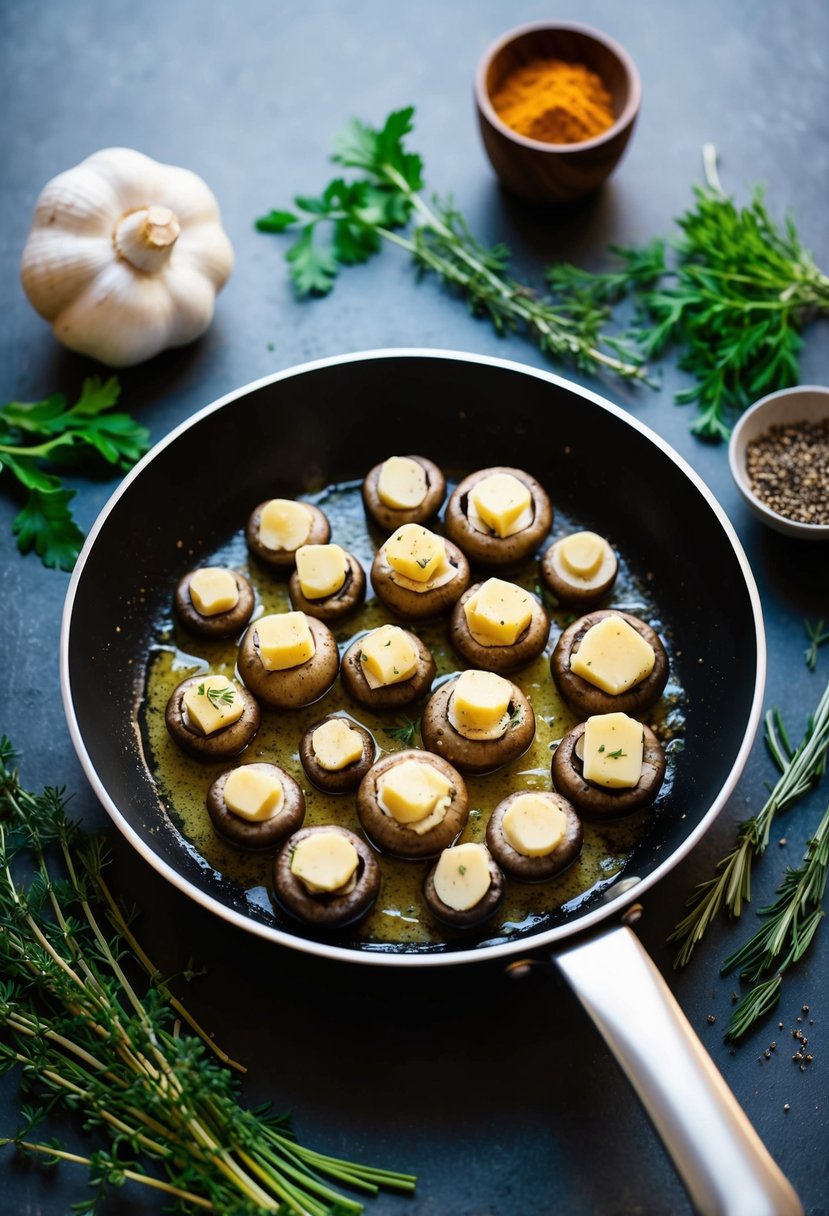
{"x": 498, "y": 613}
{"x": 321, "y": 570}
{"x": 613, "y": 746}
{"x": 502, "y": 502}
{"x": 581, "y": 553}
{"x": 254, "y": 794}
{"x": 324, "y": 861}
{"x": 462, "y": 876}
{"x": 284, "y": 524}
{"x": 213, "y": 590}
{"x": 415, "y": 552}
{"x": 411, "y": 790}
{"x": 534, "y": 825}
{"x": 613, "y": 656}
{"x": 336, "y": 744}
{"x": 285, "y": 640}
{"x": 480, "y": 700}
{"x": 402, "y": 483}
{"x": 387, "y": 656}
{"x": 213, "y": 703}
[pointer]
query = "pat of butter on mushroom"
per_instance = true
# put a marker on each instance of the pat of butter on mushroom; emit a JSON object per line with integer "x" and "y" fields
{"x": 387, "y": 656}
{"x": 402, "y": 483}
{"x": 611, "y": 750}
{"x": 498, "y": 613}
{"x": 253, "y": 795}
{"x": 285, "y": 640}
{"x": 416, "y": 553}
{"x": 502, "y": 504}
{"x": 462, "y": 876}
{"x": 612, "y": 656}
{"x": 324, "y": 862}
{"x": 212, "y": 704}
{"x": 322, "y": 570}
{"x": 582, "y": 553}
{"x": 213, "y": 590}
{"x": 414, "y": 794}
{"x": 284, "y": 524}
{"x": 534, "y": 825}
{"x": 478, "y": 708}
{"x": 336, "y": 744}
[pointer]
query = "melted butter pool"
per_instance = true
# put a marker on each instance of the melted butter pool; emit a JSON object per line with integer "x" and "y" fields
{"x": 400, "y": 915}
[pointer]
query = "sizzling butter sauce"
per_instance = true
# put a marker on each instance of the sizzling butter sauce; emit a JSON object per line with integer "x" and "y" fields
{"x": 400, "y": 915}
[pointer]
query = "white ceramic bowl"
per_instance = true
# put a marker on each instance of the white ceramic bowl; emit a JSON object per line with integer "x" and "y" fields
{"x": 804, "y": 403}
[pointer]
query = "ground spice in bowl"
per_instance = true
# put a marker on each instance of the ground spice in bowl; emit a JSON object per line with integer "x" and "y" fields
{"x": 554, "y": 101}
{"x": 788, "y": 470}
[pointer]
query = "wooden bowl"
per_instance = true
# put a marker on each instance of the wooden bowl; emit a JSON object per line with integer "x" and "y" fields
{"x": 545, "y": 172}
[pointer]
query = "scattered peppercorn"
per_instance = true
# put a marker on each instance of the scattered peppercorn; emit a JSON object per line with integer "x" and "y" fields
{"x": 711, "y": 1019}
{"x": 788, "y": 470}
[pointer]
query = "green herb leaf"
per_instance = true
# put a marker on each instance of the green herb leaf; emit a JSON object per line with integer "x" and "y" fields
{"x": 313, "y": 268}
{"x": 45, "y": 524}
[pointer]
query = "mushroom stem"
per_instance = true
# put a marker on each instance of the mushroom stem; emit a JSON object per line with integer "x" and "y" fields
{"x": 145, "y": 238}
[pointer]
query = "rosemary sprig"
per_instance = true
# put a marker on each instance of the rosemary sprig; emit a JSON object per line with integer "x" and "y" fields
{"x": 386, "y": 205}
{"x": 73, "y": 1021}
{"x": 817, "y": 636}
{"x": 216, "y": 696}
{"x": 405, "y": 731}
{"x": 731, "y": 885}
{"x": 791, "y": 923}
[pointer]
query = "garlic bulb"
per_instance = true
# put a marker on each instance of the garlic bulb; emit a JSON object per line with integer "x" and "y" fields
{"x": 125, "y": 256}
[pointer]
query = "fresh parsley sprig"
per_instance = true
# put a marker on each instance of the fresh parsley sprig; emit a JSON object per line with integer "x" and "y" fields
{"x": 38, "y": 437}
{"x": 800, "y": 769}
{"x": 387, "y": 205}
{"x": 732, "y": 300}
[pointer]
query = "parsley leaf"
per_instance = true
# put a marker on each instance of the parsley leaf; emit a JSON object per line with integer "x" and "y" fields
{"x": 46, "y": 525}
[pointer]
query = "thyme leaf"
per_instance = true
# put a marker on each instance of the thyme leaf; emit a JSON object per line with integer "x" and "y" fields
{"x": 404, "y": 731}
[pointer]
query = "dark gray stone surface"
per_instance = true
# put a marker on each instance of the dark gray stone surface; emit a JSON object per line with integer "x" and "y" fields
{"x": 504, "y": 1100}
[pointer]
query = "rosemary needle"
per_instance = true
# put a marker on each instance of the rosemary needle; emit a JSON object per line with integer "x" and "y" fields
{"x": 731, "y": 885}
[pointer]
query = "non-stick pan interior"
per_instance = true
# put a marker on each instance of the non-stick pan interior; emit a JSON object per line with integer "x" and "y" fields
{"x": 331, "y": 422}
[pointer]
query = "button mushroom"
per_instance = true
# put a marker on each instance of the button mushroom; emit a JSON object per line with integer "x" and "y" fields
{"x": 596, "y": 797}
{"x": 288, "y": 659}
{"x": 336, "y": 753}
{"x": 403, "y": 490}
{"x": 387, "y": 668}
{"x": 534, "y": 835}
{"x": 626, "y": 668}
{"x": 213, "y": 602}
{"x": 464, "y": 887}
{"x": 277, "y": 527}
{"x": 412, "y": 804}
{"x": 211, "y": 717}
{"x": 579, "y": 569}
{"x": 498, "y": 516}
{"x": 499, "y": 626}
{"x": 326, "y": 876}
{"x": 327, "y": 583}
{"x": 478, "y": 721}
{"x": 256, "y": 806}
{"x": 418, "y": 574}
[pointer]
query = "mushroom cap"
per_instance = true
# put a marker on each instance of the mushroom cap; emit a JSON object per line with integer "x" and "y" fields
{"x": 598, "y": 801}
{"x": 332, "y": 607}
{"x": 294, "y": 686}
{"x": 263, "y": 833}
{"x": 534, "y": 869}
{"x": 221, "y": 624}
{"x": 470, "y": 917}
{"x": 501, "y": 659}
{"x": 324, "y": 910}
{"x": 392, "y": 837}
{"x": 484, "y": 547}
{"x": 339, "y": 781}
{"x": 419, "y": 605}
{"x": 285, "y": 559}
{"x": 475, "y": 755}
{"x": 582, "y": 696}
{"x": 388, "y": 696}
{"x": 569, "y": 590}
{"x": 390, "y": 518}
{"x": 222, "y": 744}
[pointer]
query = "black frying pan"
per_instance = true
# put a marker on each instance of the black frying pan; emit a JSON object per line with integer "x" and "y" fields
{"x": 332, "y": 420}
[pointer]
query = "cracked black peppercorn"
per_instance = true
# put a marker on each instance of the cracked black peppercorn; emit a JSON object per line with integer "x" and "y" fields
{"x": 788, "y": 470}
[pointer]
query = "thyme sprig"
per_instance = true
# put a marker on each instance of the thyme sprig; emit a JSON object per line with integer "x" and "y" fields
{"x": 790, "y": 924}
{"x": 818, "y": 636}
{"x": 387, "y": 205}
{"x": 73, "y": 1021}
{"x": 404, "y": 731}
{"x": 800, "y": 769}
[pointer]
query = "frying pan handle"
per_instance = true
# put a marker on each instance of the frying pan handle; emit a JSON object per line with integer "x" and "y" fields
{"x": 719, "y": 1156}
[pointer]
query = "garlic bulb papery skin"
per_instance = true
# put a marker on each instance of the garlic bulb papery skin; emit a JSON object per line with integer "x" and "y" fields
{"x": 125, "y": 256}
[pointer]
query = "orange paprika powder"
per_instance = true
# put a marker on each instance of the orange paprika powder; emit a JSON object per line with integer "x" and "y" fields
{"x": 554, "y": 101}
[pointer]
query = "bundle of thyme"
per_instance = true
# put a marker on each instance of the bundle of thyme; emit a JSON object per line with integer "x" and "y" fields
{"x": 164, "y": 1104}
